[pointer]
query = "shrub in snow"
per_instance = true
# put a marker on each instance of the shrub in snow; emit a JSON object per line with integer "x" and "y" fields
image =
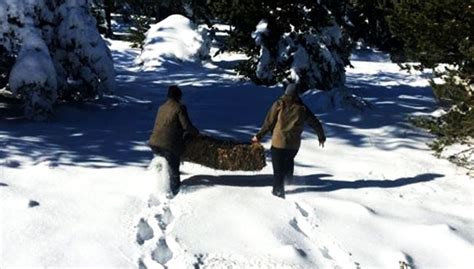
{"x": 175, "y": 38}
{"x": 59, "y": 53}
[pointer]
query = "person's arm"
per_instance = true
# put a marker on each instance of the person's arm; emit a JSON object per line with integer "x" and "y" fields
{"x": 269, "y": 123}
{"x": 186, "y": 122}
{"x": 314, "y": 123}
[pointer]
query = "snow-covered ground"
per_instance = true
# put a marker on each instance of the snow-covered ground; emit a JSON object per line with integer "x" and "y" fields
{"x": 76, "y": 192}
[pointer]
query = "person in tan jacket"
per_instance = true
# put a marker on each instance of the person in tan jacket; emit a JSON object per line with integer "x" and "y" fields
{"x": 167, "y": 139}
{"x": 286, "y": 119}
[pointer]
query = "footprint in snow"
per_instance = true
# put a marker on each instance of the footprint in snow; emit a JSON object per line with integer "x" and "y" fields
{"x": 157, "y": 249}
{"x": 300, "y": 252}
{"x": 165, "y": 218}
{"x": 301, "y": 210}
{"x": 305, "y": 222}
{"x": 325, "y": 253}
{"x": 145, "y": 232}
{"x": 162, "y": 253}
{"x": 294, "y": 225}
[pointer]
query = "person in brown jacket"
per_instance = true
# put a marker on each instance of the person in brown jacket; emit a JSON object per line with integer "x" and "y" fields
{"x": 167, "y": 139}
{"x": 286, "y": 120}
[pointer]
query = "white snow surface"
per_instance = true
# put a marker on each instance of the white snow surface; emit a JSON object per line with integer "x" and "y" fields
{"x": 174, "y": 39}
{"x": 85, "y": 193}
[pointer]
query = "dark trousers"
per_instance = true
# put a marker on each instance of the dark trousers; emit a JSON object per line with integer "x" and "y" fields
{"x": 283, "y": 161}
{"x": 173, "y": 164}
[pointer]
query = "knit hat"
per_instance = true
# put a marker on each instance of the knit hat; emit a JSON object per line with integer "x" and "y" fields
{"x": 174, "y": 92}
{"x": 291, "y": 89}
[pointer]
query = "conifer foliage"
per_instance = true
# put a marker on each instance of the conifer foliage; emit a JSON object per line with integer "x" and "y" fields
{"x": 58, "y": 54}
{"x": 297, "y": 41}
{"x": 439, "y": 35}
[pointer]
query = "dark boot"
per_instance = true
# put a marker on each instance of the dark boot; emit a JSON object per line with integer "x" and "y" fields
{"x": 279, "y": 193}
{"x": 174, "y": 186}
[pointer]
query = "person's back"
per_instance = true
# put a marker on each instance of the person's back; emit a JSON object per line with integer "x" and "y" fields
{"x": 167, "y": 138}
{"x": 290, "y": 123}
{"x": 170, "y": 125}
{"x": 286, "y": 119}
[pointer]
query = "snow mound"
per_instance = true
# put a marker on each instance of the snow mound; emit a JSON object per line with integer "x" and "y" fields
{"x": 175, "y": 39}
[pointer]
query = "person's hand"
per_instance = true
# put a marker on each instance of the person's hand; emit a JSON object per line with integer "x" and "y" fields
{"x": 255, "y": 139}
{"x": 321, "y": 141}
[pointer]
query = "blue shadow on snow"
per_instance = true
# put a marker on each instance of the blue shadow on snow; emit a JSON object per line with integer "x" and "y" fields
{"x": 310, "y": 183}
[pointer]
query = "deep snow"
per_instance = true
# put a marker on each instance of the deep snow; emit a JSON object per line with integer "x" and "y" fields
{"x": 373, "y": 197}
{"x": 174, "y": 39}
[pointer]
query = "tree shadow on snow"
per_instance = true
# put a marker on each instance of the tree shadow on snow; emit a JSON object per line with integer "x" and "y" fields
{"x": 310, "y": 183}
{"x": 113, "y": 131}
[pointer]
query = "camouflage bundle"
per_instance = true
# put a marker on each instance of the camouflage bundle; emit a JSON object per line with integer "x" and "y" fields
{"x": 224, "y": 154}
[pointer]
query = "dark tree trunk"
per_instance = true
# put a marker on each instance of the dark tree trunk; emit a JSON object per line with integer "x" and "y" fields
{"x": 108, "y": 6}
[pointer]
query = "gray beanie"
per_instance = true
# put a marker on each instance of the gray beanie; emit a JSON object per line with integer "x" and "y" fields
{"x": 291, "y": 89}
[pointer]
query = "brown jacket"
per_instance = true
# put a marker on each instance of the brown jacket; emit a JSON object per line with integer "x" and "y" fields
{"x": 286, "y": 120}
{"x": 171, "y": 124}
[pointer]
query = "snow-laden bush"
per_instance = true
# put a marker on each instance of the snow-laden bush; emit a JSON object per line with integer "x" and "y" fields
{"x": 59, "y": 53}
{"x": 175, "y": 39}
{"x": 314, "y": 58}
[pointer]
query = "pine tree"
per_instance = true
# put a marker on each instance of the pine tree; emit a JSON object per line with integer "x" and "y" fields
{"x": 32, "y": 75}
{"x": 6, "y": 64}
{"x": 242, "y": 16}
{"x": 137, "y": 32}
{"x": 99, "y": 13}
{"x": 294, "y": 30}
{"x": 369, "y": 23}
{"x": 58, "y": 53}
{"x": 440, "y": 32}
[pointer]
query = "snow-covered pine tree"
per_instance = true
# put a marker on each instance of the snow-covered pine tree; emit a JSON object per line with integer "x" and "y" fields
{"x": 55, "y": 51}
{"x": 83, "y": 60}
{"x": 32, "y": 77}
{"x": 302, "y": 43}
{"x": 295, "y": 40}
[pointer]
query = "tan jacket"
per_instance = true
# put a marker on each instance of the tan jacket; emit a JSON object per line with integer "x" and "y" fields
{"x": 172, "y": 122}
{"x": 286, "y": 120}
